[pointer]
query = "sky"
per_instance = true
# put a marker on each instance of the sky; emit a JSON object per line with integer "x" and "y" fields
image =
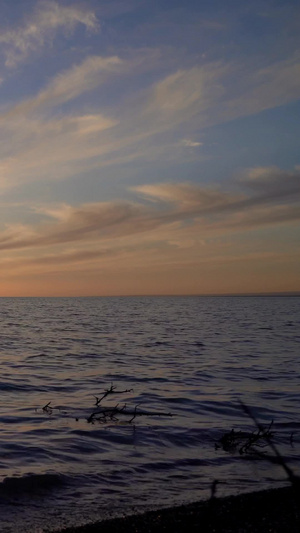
{"x": 149, "y": 147}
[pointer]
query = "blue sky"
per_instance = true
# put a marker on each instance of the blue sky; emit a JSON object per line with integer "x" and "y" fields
{"x": 149, "y": 147}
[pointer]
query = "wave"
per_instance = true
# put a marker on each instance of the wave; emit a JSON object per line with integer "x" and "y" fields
{"x": 31, "y": 483}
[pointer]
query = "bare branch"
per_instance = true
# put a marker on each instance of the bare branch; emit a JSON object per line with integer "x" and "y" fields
{"x": 294, "y": 480}
{"x": 111, "y": 390}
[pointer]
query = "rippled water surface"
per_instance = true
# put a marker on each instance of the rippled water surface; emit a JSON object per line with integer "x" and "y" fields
{"x": 193, "y": 357}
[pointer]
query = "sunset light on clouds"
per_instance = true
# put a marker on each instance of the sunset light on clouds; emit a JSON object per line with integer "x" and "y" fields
{"x": 149, "y": 147}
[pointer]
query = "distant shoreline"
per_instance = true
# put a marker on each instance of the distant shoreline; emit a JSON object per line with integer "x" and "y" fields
{"x": 225, "y": 295}
{"x": 275, "y": 510}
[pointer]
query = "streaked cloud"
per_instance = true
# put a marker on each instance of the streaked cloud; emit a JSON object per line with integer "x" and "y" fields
{"x": 34, "y": 140}
{"x": 68, "y": 85}
{"x": 213, "y": 210}
{"x": 272, "y": 182}
{"x": 191, "y": 144}
{"x": 40, "y": 28}
{"x": 130, "y": 140}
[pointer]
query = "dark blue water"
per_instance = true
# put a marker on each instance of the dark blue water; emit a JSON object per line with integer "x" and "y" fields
{"x": 193, "y": 357}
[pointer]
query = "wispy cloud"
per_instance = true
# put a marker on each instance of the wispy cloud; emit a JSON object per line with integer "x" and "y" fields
{"x": 191, "y": 144}
{"x": 140, "y": 100}
{"x": 273, "y": 182}
{"x": 186, "y": 93}
{"x": 213, "y": 210}
{"x": 32, "y": 141}
{"x": 217, "y": 92}
{"x": 37, "y": 145}
{"x": 69, "y": 84}
{"x": 40, "y": 28}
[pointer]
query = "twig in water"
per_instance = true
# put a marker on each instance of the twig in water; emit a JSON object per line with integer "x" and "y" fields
{"x": 47, "y": 408}
{"x": 134, "y": 413}
{"x": 111, "y": 390}
{"x": 213, "y": 488}
{"x": 294, "y": 480}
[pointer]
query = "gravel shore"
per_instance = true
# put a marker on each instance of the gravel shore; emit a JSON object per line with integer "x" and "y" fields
{"x": 275, "y": 511}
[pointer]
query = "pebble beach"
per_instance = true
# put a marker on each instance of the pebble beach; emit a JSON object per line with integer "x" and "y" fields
{"x": 275, "y": 510}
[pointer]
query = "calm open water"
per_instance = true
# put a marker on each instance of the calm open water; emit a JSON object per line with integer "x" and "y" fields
{"x": 191, "y": 356}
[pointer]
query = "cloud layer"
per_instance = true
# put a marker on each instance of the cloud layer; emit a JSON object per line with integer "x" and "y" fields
{"x": 37, "y": 132}
{"x": 206, "y": 233}
{"x": 134, "y": 145}
{"x": 40, "y": 28}
{"x": 274, "y": 200}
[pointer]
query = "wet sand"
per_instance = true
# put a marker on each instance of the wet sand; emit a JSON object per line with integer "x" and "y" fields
{"x": 275, "y": 511}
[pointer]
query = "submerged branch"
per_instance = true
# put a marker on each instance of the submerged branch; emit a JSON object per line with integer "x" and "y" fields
{"x": 105, "y": 414}
{"x": 111, "y": 390}
{"x": 112, "y": 413}
{"x": 294, "y": 480}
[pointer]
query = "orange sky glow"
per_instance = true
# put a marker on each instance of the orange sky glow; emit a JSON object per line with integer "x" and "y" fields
{"x": 149, "y": 150}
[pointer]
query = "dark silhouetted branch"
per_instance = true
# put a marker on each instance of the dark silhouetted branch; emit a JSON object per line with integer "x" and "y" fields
{"x": 294, "y": 480}
{"x": 111, "y": 390}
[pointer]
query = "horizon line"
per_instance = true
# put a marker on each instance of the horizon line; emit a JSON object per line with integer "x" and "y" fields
{"x": 169, "y": 295}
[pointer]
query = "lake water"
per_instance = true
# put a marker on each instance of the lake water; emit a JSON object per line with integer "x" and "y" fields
{"x": 193, "y": 357}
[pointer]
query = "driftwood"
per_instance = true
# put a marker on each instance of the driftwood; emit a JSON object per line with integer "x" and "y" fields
{"x": 113, "y": 413}
{"x": 111, "y": 390}
{"x": 293, "y": 479}
{"x": 245, "y": 442}
{"x": 49, "y": 408}
{"x": 105, "y": 414}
